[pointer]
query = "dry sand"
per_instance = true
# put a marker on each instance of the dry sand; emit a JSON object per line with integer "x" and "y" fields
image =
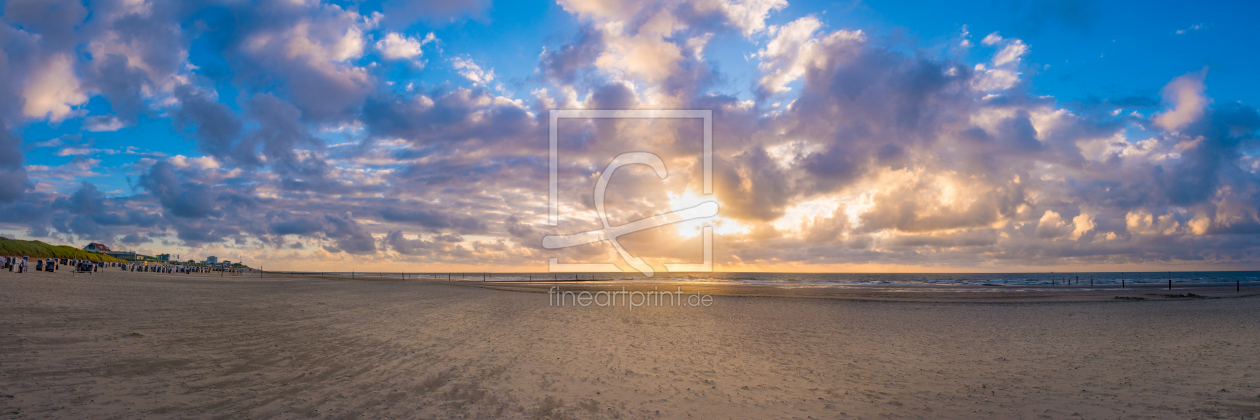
{"x": 131, "y": 345}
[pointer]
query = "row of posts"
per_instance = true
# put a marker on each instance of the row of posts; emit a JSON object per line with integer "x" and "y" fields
{"x": 1123, "y": 285}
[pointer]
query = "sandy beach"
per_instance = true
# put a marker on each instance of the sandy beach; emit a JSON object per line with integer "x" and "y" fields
{"x": 132, "y": 345}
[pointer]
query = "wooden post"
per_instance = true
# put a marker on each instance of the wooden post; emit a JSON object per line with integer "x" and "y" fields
{"x": 1238, "y": 286}
{"x": 1169, "y": 284}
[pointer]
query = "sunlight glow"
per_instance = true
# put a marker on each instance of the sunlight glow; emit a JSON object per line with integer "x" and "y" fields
{"x": 693, "y": 228}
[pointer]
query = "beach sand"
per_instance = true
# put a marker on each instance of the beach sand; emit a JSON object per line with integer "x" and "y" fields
{"x": 128, "y": 345}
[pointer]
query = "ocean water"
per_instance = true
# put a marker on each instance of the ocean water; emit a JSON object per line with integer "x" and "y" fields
{"x": 804, "y": 279}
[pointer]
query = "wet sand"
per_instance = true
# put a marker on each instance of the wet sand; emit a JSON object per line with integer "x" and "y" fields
{"x": 127, "y": 345}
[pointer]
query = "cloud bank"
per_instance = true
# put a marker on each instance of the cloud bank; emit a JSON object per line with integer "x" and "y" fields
{"x": 853, "y": 151}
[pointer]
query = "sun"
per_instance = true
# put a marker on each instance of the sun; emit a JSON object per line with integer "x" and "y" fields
{"x": 693, "y": 228}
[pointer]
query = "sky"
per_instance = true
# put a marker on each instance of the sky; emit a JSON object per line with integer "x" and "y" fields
{"x": 855, "y": 136}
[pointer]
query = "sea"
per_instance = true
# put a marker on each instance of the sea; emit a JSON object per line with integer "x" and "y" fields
{"x": 1066, "y": 278}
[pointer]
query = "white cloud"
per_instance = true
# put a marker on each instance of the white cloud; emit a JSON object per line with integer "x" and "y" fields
{"x": 75, "y": 169}
{"x": 204, "y": 162}
{"x": 53, "y": 91}
{"x": 395, "y": 46}
{"x": 991, "y": 39}
{"x": 747, "y": 15}
{"x": 1011, "y": 53}
{"x": 652, "y": 42}
{"x": 161, "y": 56}
{"x": 1185, "y": 93}
{"x": 602, "y": 9}
{"x": 647, "y": 53}
{"x": 471, "y": 71}
{"x": 1082, "y": 224}
{"x": 645, "y": 56}
{"x": 1003, "y": 71}
{"x": 1194, "y": 27}
{"x": 1200, "y": 224}
{"x": 77, "y": 151}
{"x": 49, "y": 143}
{"x": 103, "y": 123}
{"x": 794, "y": 48}
{"x": 315, "y": 57}
{"x": 1139, "y": 221}
{"x": 1051, "y": 225}
{"x": 306, "y": 39}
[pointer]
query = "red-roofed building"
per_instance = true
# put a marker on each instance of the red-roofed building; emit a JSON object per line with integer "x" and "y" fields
{"x": 95, "y": 247}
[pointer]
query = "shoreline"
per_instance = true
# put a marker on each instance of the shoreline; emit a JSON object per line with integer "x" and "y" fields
{"x": 1144, "y": 292}
{"x": 906, "y": 292}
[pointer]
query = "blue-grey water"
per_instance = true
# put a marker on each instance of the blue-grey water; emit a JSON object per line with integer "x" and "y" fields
{"x": 1013, "y": 279}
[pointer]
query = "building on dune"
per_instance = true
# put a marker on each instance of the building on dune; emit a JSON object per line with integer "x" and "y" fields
{"x": 97, "y": 247}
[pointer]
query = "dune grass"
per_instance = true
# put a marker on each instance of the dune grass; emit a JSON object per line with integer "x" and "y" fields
{"x": 37, "y": 249}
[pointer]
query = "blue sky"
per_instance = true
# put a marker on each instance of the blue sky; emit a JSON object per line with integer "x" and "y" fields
{"x": 408, "y": 134}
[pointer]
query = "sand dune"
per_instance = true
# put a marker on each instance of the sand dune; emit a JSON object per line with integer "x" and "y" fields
{"x": 127, "y": 345}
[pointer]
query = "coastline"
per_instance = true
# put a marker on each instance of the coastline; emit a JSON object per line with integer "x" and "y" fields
{"x": 1145, "y": 292}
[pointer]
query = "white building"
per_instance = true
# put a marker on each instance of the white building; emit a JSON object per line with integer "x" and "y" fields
{"x": 97, "y": 247}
